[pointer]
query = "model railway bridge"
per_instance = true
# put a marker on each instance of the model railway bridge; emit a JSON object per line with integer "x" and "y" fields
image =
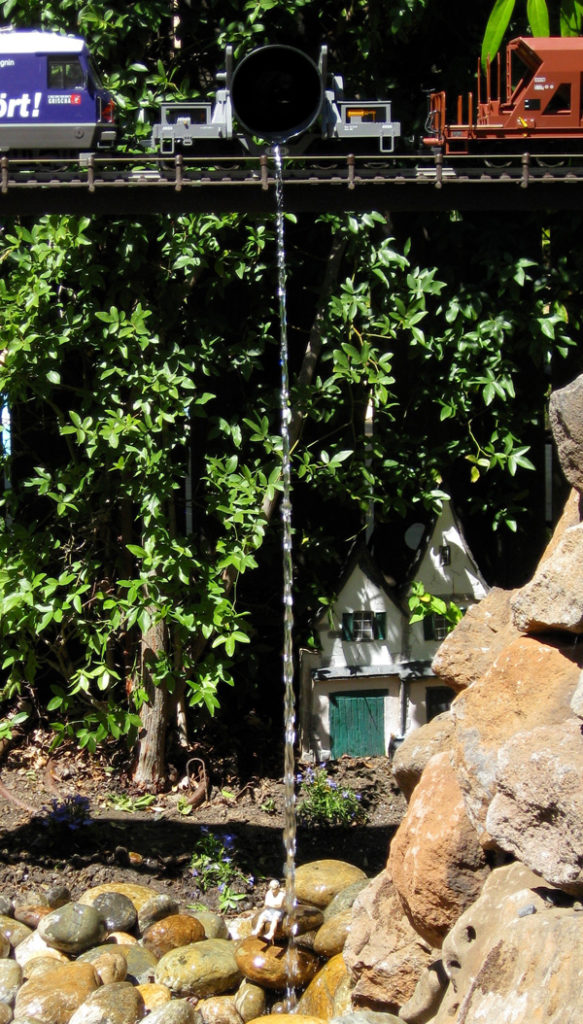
{"x": 138, "y": 185}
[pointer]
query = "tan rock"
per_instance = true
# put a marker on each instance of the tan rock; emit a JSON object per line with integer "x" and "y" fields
{"x": 320, "y": 997}
{"x": 570, "y": 516}
{"x": 218, "y": 1010}
{"x": 383, "y": 953}
{"x": 553, "y": 599}
{"x": 111, "y": 967}
{"x": 249, "y": 1000}
{"x": 565, "y": 417}
{"x": 436, "y": 862}
{"x": 287, "y": 1018}
{"x": 537, "y": 812}
{"x": 138, "y": 894}
{"x": 417, "y": 750}
{"x": 201, "y": 969}
{"x": 470, "y": 649}
{"x": 53, "y": 996}
{"x": 513, "y": 957}
{"x": 117, "y": 1003}
{"x": 171, "y": 932}
{"x": 275, "y": 967}
{"x": 531, "y": 683}
{"x": 319, "y": 881}
{"x": 330, "y": 938}
{"x": 154, "y": 995}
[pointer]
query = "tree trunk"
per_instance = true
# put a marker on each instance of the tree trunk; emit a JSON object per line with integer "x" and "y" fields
{"x": 150, "y": 770}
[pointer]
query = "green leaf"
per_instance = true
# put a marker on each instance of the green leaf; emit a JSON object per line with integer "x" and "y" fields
{"x": 571, "y": 17}
{"x": 495, "y": 28}
{"x": 538, "y": 17}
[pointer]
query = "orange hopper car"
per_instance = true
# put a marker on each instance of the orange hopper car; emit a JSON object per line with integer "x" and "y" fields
{"x": 540, "y": 109}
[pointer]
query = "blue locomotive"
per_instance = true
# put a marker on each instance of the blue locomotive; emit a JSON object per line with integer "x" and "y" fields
{"x": 50, "y": 95}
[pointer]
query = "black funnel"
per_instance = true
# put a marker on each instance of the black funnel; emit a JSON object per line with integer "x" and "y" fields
{"x": 276, "y": 93}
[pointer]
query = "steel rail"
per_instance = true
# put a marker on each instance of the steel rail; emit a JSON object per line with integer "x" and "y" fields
{"x": 135, "y": 185}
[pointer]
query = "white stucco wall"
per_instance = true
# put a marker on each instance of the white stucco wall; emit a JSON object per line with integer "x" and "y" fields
{"x": 361, "y": 594}
{"x": 320, "y": 724}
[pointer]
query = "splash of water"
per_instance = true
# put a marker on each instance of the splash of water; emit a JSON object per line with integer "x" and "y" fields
{"x": 289, "y": 830}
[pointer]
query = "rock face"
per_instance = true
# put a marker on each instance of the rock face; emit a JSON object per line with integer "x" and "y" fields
{"x": 537, "y": 812}
{"x": 383, "y": 953}
{"x": 436, "y": 862}
{"x": 554, "y": 597}
{"x": 530, "y": 684}
{"x": 566, "y": 419}
{"x": 497, "y": 781}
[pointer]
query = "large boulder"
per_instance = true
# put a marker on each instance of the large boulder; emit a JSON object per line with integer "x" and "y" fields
{"x": 566, "y": 420}
{"x": 469, "y": 650}
{"x": 417, "y": 750}
{"x": 514, "y": 956}
{"x": 436, "y": 861}
{"x": 537, "y": 812}
{"x": 383, "y": 953}
{"x": 553, "y": 600}
{"x": 530, "y": 684}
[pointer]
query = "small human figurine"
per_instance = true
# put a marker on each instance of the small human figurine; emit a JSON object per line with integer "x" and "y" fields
{"x": 272, "y": 913}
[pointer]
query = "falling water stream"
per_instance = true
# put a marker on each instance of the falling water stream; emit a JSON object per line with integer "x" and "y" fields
{"x": 289, "y": 831}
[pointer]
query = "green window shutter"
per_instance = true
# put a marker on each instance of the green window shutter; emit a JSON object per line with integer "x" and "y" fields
{"x": 379, "y": 625}
{"x": 428, "y": 628}
{"x": 347, "y": 626}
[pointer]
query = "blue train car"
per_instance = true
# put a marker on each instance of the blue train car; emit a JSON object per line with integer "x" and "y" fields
{"x": 51, "y": 98}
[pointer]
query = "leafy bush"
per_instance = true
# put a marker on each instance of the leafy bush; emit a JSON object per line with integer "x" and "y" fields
{"x": 324, "y": 802}
{"x": 213, "y": 864}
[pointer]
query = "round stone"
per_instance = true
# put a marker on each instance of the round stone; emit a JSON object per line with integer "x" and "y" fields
{"x": 319, "y": 999}
{"x": 123, "y": 938}
{"x": 30, "y": 914}
{"x": 345, "y": 898}
{"x": 10, "y": 980}
{"x": 288, "y": 1018}
{"x": 118, "y": 1003}
{"x": 250, "y": 1000}
{"x": 179, "y": 1011}
{"x": 140, "y": 962}
{"x": 58, "y": 895}
{"x": 6, "y": 906}
{"x": 155, "y": 909}
{"x": 117, "y": 911}
{"x": 154, "y": 995}
{"x": 4, "y": 947}
{"x": 53, "y": 996}
{"x": 215, "y": 926}
{"x": 14, "y": 931}
{"x": 202, "y": 969}
{"x": 43, "y": 962}
{"x": 218, "y": 1010}
{"x": 72, "y": 928}
{"x": 275, "y": 967}
{"x": 111, "y": 967}
{"x": 331, "y": 937}
{"x": 321, "y": 880}
{"x": 34, "y": 945}
{"x": 172, "y": 932}
{"x": 138, "y": 894}
{"x": 303, "y": 918}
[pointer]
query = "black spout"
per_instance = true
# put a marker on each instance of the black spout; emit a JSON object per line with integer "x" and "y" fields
{"x": 276, "y": 93}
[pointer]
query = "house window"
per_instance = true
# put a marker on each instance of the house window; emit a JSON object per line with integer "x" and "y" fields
{"x": 361, "y": 626}
{"x": 435, "y": 627}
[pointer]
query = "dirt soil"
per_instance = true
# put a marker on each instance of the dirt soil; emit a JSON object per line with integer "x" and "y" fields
{"x": 149, "y": 839}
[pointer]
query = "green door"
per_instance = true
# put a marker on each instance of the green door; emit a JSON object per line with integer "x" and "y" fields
{"x": 357, "y": 723}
